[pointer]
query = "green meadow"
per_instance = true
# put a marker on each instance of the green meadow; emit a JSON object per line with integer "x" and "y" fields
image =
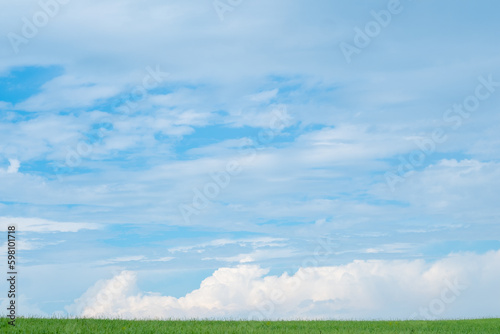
{"x": 35, "y": 325}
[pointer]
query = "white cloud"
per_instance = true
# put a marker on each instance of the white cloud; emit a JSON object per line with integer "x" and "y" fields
{"x": 254, "y": 242}
{"x": 66, "y": 91}
{"x": 43, "y": 225}
{"x": 264, "y": 96}
{"x": 467, "y": 189}
{"x": 125, "y": 259}
{"x": 460, "y": 285}
{"x": 134, "y": 258}
{"x": 257, "y": 255}
{"x": 161, "y": 259}
{"x": 391, "y": 248}
{"x": 274, "y": 117}
{"x": 32, "y": 243}
{"x": 14, "y": 166}
{"x": 46, "y": 135}
{"x": 25, "y": 306}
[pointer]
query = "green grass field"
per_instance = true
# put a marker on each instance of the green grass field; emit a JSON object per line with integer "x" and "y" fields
{"x": 33, "y": 325}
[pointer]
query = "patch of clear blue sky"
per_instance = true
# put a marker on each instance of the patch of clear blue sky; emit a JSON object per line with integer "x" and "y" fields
{"x": 22, "y": 82}
{"x": 49, "y": 167}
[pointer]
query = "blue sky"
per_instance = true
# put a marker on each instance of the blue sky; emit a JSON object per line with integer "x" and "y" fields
{"x": 190, "y": 157}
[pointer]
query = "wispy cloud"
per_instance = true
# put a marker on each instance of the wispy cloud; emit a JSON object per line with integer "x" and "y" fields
{"x": 254, "y": 242}
{"x": 47, "y": 226}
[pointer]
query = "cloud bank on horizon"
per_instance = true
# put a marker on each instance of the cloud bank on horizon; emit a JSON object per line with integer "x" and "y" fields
{"x": 458, "y": 286}
{"x": 162, "y": 144}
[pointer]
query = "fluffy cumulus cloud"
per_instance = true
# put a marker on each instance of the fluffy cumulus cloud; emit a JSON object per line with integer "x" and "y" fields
{"x": 459, "y": 285}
